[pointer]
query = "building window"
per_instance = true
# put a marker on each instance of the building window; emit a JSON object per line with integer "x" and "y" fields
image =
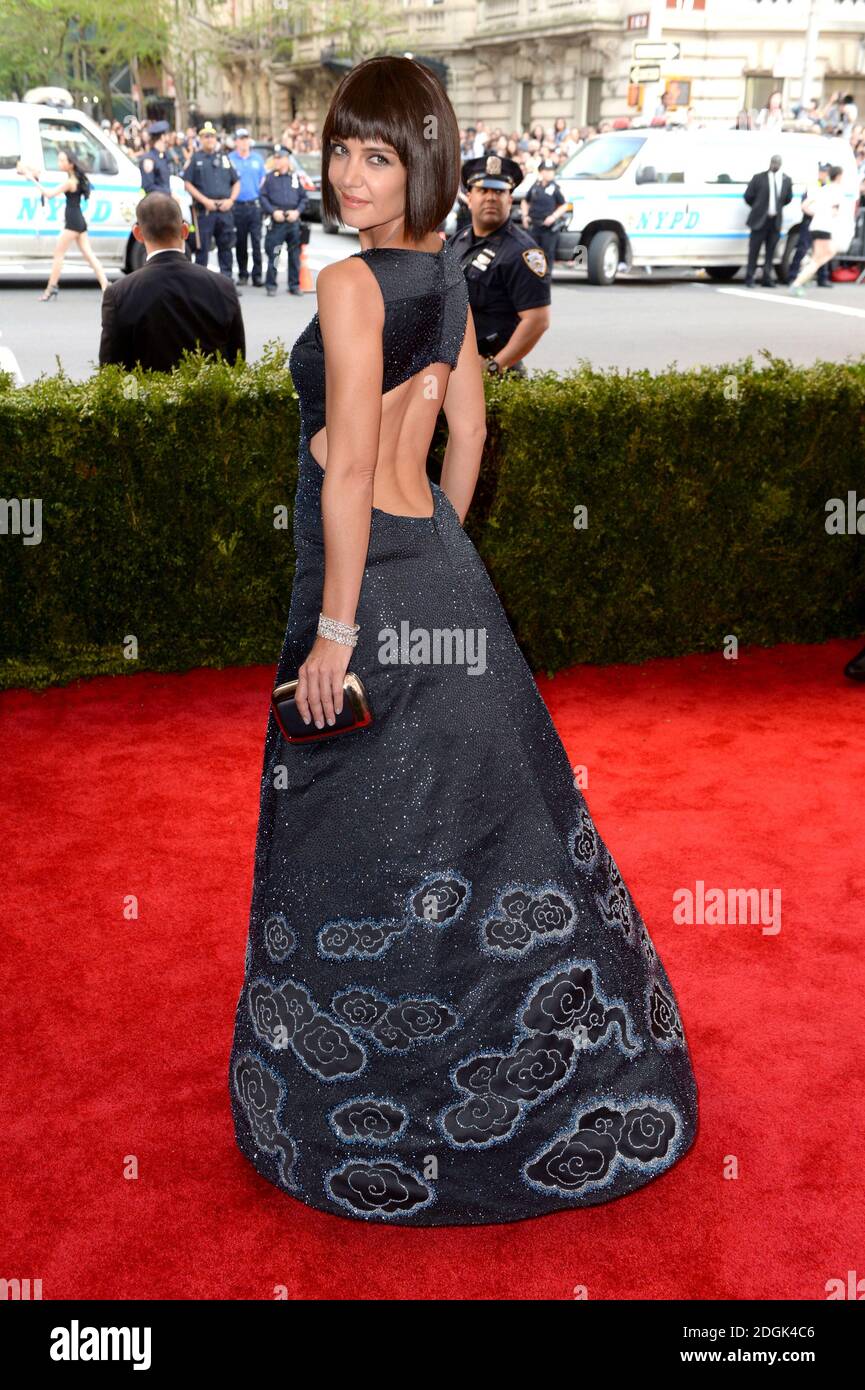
{"x": 593, "y": 103}
{"x": 758, "y": 90}
{"x": 525, "y": 118}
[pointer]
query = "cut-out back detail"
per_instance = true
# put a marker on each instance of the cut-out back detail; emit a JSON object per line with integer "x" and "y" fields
{"x": 426, "y": 312}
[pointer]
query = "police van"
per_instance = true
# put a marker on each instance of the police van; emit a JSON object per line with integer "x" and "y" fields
{"x": 672, "y": 197}
{"x": 34, "y": 131}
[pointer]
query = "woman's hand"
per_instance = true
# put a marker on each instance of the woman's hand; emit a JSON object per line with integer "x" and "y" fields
{"x": 319, "y": 681}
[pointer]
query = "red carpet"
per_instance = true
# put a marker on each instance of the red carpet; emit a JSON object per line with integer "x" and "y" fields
{"x": 117, "y": 1027}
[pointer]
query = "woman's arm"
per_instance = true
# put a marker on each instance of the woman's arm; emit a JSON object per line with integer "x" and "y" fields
{"x": 67, "y": 186}
{"x": 351, "y": 319}
{"x": 465, "y": 412}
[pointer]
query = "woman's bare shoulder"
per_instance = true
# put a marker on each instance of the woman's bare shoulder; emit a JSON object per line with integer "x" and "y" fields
{"x": 349, "y": 286}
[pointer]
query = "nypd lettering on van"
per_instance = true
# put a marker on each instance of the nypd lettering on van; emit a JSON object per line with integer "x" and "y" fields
{"x": 32, "y": 133}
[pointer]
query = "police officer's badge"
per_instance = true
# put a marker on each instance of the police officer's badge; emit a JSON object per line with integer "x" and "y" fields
{"x": 536, "y": 260}
{"x": 493, "y": 164}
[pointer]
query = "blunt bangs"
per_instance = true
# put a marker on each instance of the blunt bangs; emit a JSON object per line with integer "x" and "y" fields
{"x": 399, "y": 102}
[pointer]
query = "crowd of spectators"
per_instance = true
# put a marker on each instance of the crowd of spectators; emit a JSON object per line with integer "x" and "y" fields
{"x": 838, "y": 116}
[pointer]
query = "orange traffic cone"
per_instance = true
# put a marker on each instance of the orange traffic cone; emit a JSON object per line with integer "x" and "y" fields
{"x": 306, "y": 281}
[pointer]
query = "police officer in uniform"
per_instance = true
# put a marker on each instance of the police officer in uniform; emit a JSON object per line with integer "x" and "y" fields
{"x": 247, "y": 210}
{"x": 506, "y": 271}
{"x": 283, "y": 198}
{"x": 544, "y": 210}
{"x": 154, "y": 164}
{"x": 213, "y": 185}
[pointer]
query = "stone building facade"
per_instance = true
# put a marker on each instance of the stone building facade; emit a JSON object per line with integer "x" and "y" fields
{"x": 512, "y": 63}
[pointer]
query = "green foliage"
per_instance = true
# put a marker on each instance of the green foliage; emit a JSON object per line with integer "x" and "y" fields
{"x": 69, "y": 42}
{"x": 706, "y": 494}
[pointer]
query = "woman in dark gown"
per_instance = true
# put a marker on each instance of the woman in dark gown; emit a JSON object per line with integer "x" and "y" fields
{"x": 452, "y": 1011}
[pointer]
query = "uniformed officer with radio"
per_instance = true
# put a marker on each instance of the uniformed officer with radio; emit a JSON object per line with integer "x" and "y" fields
{"x": 544, "y": 210}
{"x": 213, "y": 184}
{"x": 154, "y": 164}
{"x": 506, "y": 271}
{"x": 283, "y": 198}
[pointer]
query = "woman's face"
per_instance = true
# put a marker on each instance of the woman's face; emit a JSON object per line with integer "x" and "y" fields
{"x": 368, "y": 179}
{"x": 63, "y": 162}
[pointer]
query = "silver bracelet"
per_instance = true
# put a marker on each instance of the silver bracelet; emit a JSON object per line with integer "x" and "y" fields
{"x": 346, "y": 633}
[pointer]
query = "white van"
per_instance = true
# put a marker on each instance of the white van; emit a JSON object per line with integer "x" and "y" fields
{"x": 34, "y": 133}
{"x": 658, "y": 197}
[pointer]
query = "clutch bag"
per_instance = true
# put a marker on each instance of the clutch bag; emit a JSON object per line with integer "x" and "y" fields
{"x": 356, "y": 711}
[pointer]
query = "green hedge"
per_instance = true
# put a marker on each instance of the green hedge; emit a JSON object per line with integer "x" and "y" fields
{"x": 706, "y": 494}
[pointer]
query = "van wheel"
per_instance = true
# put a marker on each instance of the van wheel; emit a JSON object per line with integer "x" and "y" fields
{"x": 722, "y": 272}
{"x": 603, "y": 259}
{"x": 332, "y": 228}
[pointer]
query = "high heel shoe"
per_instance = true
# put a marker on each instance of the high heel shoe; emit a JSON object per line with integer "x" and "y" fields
{"x": 50, "y": 292}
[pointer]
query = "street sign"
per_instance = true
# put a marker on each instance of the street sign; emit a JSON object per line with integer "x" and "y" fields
{"x": 645, "y": 72}
{"x": 660, "y": 52}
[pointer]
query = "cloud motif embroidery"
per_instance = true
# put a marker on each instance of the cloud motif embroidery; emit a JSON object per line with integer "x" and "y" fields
{"x": 288, "y": 1016}
{"x": 439, "y": 899}
{"x": 279, "y": 939}
{"x": 394, "y": 1026}
{"x": 361, "y": 940}
{"x": 378, "y": 1189}
{"x": 664, "y": 1021}
{"x": 587, "y": 1158}
{"x": 368, "y": 1120}
{"x": 615, "y": 904}
{"x": 260, "y": 1094}
{"x": 526, "y": 917}
{"x": 583, "y": 843}
{"x": 562, "y": 1009}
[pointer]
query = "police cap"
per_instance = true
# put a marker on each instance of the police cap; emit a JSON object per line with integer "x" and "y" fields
{"x": 208, "y": 129}
{"x": 491, "y": 171}
{"x": 241, "y": 133}
{"x": 159, "y": 128}
{"x": 281, "y": 149}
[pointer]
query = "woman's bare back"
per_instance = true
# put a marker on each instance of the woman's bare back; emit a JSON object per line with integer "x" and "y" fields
{"x": 408, "y": 417}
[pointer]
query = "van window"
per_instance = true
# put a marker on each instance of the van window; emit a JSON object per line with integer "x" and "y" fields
{"x": 665, "y": 163}
{"x": 737, "y": 164}
{"x": 604, "y": 157}
{"x": 10, "y": 142}
{"x": 57, "y": 133}
{"x": 731, "y": 163}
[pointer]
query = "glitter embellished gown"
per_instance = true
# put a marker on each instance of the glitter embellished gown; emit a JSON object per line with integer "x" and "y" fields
{"x": 452, "y": 1011}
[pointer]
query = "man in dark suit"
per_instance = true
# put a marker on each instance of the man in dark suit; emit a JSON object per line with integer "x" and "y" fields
{"x": 169, "y": 304}
{"x": 767, "y": 195}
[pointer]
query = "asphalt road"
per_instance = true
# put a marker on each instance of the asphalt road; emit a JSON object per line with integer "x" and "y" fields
{"x": 652, "y": 322}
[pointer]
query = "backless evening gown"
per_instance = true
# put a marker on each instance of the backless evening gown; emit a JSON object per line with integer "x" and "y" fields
{"x": 452, "y": 1011}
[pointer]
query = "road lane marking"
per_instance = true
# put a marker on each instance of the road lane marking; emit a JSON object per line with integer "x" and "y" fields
{"x": 781, "y": 296}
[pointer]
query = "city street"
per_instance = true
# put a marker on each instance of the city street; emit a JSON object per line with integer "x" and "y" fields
{"x": 650, "y": 322}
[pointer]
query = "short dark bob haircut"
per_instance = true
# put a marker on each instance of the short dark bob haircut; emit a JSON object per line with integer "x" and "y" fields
{"x": 400, "y": 102}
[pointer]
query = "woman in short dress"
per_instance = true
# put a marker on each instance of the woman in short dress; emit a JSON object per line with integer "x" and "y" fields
{"x": 75, "y": 186}
{"x": 832, "y": 226}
